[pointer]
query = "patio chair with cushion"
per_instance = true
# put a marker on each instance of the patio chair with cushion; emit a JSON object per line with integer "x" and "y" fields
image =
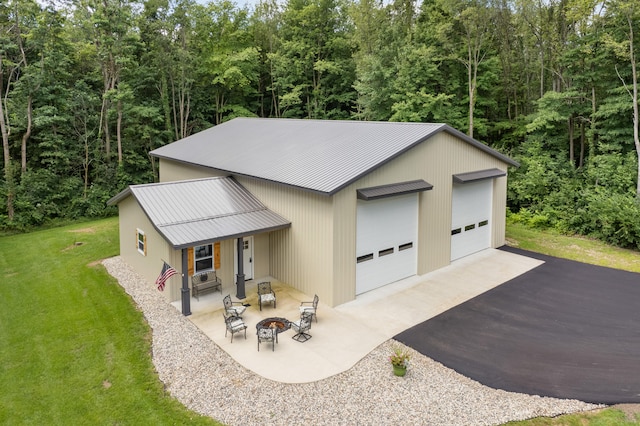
{"x": 231, "y": 308}
{"x": 234, "y": 325}
{"x": 265, "y": 294}
{"x": 267, "y": 334}
{"x": 310, "y": 307}
{"x": 301, "y": 327}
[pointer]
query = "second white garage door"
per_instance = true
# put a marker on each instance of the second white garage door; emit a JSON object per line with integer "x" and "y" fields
{"x": 471, "y": 218}
{"x": 386, "y": 245}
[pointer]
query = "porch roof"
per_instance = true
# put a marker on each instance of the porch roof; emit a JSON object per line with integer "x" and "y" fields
{"x": 193, "y": 212}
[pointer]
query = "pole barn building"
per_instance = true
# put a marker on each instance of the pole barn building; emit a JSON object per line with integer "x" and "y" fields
{"x": 334, "y": 208}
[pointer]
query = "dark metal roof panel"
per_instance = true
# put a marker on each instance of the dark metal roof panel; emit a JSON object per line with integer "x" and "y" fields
{"x": 196, "y": 211}
{"x": 319, "y": 155}
{"x": 383, "y": 191}
{"x": 478, "y": 175}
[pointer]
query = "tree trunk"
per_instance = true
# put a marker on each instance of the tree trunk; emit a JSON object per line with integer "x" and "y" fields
{"x": 571, "y": 143}
{"x": 471, "y": 90}
{"x": 119, "y": 131}
{"x": 582, "y": 143}
{"x": 636, "y": 119}
{"x": 4, "y": 129}
{"x": 26, "y": 135}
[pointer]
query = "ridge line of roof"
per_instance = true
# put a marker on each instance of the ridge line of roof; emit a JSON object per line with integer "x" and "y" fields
{"x": 182, "y": 222}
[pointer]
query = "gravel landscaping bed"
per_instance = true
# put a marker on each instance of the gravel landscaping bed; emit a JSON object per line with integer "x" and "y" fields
{"x": 207, "y": 380}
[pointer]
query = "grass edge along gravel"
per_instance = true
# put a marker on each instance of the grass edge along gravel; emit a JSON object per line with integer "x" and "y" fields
{"x": 75, "y": 348}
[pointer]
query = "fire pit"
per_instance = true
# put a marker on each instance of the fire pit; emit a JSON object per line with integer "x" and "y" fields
{"x": 280, "y": 324}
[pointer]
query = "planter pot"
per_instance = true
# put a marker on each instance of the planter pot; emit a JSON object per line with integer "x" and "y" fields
{"x": 399, "y": 371}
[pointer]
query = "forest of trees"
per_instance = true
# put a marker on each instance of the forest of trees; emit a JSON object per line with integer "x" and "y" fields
{"x": 89, "y": 87}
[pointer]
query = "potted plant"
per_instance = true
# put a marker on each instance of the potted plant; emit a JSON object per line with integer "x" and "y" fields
{"x": 399, "y": 360}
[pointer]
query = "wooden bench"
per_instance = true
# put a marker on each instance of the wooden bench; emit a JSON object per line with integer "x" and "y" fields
{"x": 205, "y": 282}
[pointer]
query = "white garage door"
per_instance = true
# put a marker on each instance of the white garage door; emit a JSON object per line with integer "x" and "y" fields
{"x": 386, "y": 245}
{"x": 471, "y": 218}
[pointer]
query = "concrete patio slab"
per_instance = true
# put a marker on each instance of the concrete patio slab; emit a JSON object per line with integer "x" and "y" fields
{"x": 345, "y": 334}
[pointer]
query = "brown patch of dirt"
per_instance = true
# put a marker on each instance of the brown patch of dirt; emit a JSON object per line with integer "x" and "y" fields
{"x": 511, "y": 242}
{"x": 106, "y": 384}
{"x": 631, "y": 411}
{"x": 74, "y": 245}
{"x": 84, "y": 231}
{"x": 94, "y": 263}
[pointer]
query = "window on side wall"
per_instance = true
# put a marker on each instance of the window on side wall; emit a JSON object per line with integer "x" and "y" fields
{"x": 203, "y": 257}
{"x": 141, "y": 242}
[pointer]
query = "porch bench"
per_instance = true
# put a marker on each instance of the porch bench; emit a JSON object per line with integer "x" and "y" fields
{"x": 205, "y": 282}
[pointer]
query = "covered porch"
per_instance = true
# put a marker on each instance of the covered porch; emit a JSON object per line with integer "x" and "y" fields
{"x": 345, "y": 334}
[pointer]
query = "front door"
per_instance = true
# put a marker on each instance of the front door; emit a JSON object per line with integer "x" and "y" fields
{"x": 247, "y": 258}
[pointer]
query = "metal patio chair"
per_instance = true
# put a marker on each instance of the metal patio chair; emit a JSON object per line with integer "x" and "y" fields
{"x": 234, "y": 325}
{"x": 266, "y": 294}
{"x": 301, "y": 327}
{"x": 233, "y": 308}
{"x": 267, "y": 334}
{"x": 310, "y": 307}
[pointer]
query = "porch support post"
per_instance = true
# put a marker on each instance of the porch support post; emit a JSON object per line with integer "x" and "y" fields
{"x": 186, "y": 296}
{"x": 240, "y": 277}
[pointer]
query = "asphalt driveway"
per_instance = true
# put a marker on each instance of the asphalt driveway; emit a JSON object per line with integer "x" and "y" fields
{"x": 564, "y": 329}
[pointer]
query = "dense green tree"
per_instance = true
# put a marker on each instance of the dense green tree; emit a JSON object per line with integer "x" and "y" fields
{"x": 313, "y": 70}
{"x": 89, "y": 87}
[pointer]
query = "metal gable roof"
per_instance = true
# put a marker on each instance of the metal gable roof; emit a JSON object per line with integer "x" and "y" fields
{"x": 193, "y": 212}
{"x": 318, "y": 155}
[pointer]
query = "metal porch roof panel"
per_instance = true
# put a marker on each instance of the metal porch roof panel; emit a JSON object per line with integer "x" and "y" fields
{"x": 319, "y": 155}
{"x": 383, "y": 191}
{"x": 478, "y": 175}
{"x": 192, "y": 211}
{"x": 222, "y": 228}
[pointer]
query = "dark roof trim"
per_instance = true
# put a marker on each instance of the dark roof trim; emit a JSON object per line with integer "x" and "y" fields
{"x": 384, "y": 191}
{"x": 480, "y": 145}
{"x": 119, "y": 197}
{"x": 231, "y": 236}
{"x": 479, "y": 175}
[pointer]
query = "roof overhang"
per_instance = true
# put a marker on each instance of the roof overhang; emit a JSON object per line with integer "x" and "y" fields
{"x": 478, "y": 175}
{"x": 391, "y": 190}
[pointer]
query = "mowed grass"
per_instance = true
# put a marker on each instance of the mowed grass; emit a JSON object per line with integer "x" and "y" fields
{"x": 588, "y": 251}
{"x": 577, "y": 248}
{"x": 73, "y": 348}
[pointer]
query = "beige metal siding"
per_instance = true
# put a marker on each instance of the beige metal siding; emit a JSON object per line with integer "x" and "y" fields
{"x": 171, "y": 171}
{"x": 435, "y": 161}
{"x": 301, "y": 256}
{"x": 148, "y": 267}
{"x": 261, "y": 256}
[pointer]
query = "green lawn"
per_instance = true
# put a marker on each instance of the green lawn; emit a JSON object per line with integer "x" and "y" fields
{"x": 74, "y": 348}
{"x": 570, "y": 247}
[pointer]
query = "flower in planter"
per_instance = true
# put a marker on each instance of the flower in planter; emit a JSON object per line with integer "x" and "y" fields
{"x": 400, "y": 357}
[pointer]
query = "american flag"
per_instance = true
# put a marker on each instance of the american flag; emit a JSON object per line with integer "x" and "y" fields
{"x": 166, "y": 273}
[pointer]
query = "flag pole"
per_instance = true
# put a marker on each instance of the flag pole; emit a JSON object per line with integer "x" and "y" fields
{"x": 181, "y": 274}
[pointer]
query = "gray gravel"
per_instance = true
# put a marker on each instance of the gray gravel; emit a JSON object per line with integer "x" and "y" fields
{"x": 207, "y": 380}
